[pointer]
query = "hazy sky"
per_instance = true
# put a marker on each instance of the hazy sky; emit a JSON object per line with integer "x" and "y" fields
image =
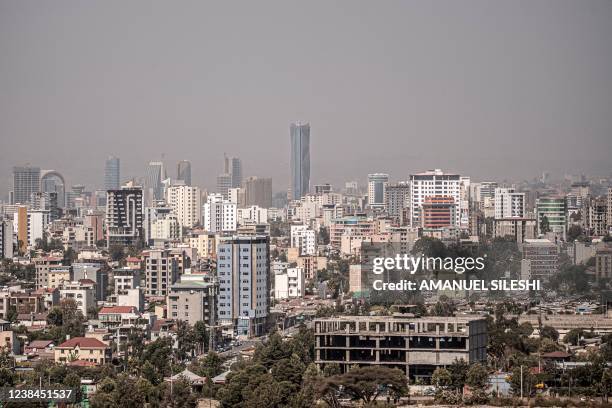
{"x": 490, "y": 89}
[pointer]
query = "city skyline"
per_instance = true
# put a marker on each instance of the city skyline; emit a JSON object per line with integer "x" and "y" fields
{"x": 477, "y": 98}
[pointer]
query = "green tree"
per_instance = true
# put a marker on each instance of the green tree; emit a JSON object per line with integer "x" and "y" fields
{"x": 458, "y": 371}
{"x": 289, "y": 369}
{"x": 441, "y": 377}
{"x": 549, "y": 333}
{"x": 180, "y": 395}
{"x": 477, "y": 376}
{"x": 367, "y": 383}
{"x": 606, "y": 384}
{"x": 331, "y": 369}
{"x": 574, "y": 232}
{"x": 210, "y": 366}
{"x": 529, "y": 381}
{"x": 55, "y": 316}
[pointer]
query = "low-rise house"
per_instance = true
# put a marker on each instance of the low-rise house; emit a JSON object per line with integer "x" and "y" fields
{"x": 38, "y": 347}
{"x": 26, "y": 302}
{"x": 83, "y": 348}
{"x": 33, "y": 321}
{"x": 162, "y": 328}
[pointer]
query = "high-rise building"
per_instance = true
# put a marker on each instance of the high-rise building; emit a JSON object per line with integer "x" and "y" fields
{"x": 377, "y": 190}
{"x": 26, "y": 180}
{"x": 183, "y": 172}
{"x": 124, "y": 216}
{"x": 112, "y": 173}
{"x": 258, "y": 191}
{"x": 224, "y": 184}
{"x": 609, "y": 209}
{"x": 509, "y": 203}
{"x": 219, "y": 214}
{"x": 154, "y": 176}
{"x": 53, "y": 182}
{"x": 596, "y": 216}
{"x": 433, "y": 183}
{"x": 397, "y": 199}
{"x": 243, "y": 272}
{"x": 233, "y": 167}
{"x": 300, "y": 159}
{"x": 161, "y": 271}
{"x": 551, "y": 215}
{"x": 487, "y": 189}
{"x": 31, "y": 226}
{"x": 46, "y": 201}
{"x": 185, "y": 202}
{"x": 6, "y": 238}
{"x": 438, "y": 212}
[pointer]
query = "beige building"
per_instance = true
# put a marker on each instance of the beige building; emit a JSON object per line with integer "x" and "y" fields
{"x": 161, "y": 271}
{"x": 192, "y": 301}
{"x": 518, "y": 228}
{"x": 57, "y": 275}
{"x": 83, "y": 348}
{"x": 42, "y": 266}
{"x": 311, "y": 265}
{"x": 205, "y": 243}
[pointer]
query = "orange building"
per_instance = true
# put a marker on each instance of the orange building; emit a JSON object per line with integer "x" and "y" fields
{"x": 438, "y": 212}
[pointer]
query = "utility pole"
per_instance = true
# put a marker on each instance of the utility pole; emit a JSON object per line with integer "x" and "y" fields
{"x": 521, "y": 383}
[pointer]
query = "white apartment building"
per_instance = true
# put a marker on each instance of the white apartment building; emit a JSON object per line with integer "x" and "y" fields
{"x": 305, "y": 210}
{"x": 304, "y": 239}
{"x": 509, "y": 204}
{"x": 84, "y": 295}
{"x": 167, "y": 228}
{"x": 37, "y": 224}
{"x": 185, "y": 202}
{"x": 254, "y": 214}
{"x": 289, "y": 284}
{"x": 220, "y": 214}
{"x": 434, "y": 183}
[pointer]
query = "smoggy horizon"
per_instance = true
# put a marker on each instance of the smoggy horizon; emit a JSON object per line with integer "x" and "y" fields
{"x": 493, "y": 91}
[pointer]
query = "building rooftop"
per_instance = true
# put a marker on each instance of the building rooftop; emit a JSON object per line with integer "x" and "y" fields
{"x": 404, "y": 317}
{"x": 117, "y": 309}
{"x": 83, "y": 342}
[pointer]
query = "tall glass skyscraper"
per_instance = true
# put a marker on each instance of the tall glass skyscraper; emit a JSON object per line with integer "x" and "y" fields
{"x": 184, "y": 172}
{"x": 233, "y": 167}
{"x": 26, "y": 180}
{"x": 300, "y": 159}
{"x": 153, "y": 182}
{"x": 112, "y": 173}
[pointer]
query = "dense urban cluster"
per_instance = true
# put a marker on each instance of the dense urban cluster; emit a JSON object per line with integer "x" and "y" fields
{"x": 153, "y": 291}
